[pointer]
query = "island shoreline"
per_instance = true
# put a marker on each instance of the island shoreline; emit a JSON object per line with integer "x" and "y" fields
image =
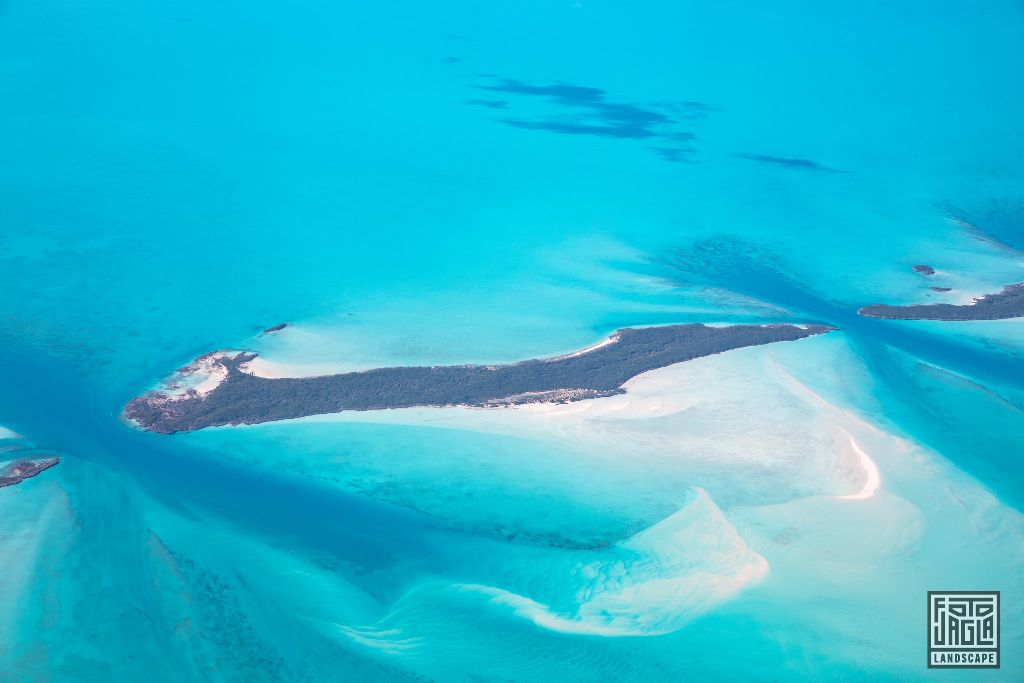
{"x": 238, "y": 397}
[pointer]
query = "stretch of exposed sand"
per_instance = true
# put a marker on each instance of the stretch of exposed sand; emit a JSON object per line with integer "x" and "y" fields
{"x": 271, "y": 369}
{"x": 201, "y": 376}
{"x": 607, "y": 342}
{"x": 872, "y": 479}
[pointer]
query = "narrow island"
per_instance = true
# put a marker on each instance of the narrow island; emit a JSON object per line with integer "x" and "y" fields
{"x": 20, "y": 470}
{"x": 1008, "y": 303}
{"x": 216, "y": 389}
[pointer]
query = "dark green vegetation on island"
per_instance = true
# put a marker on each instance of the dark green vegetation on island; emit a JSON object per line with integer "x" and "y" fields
{"x": 242, "y": 398}
{"x": 19, "y": 471}
{"x": 1008, "y": 303}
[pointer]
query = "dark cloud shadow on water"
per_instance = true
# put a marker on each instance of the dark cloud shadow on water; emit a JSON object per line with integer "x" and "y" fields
{"x": 675, "y": 155}
{"x": 569, "y": 109}
{"x": 789, "y": 162}
{"x": 692, "y": 109}
{"x": 571, "y": 128}
{"x": 490, "y": 104}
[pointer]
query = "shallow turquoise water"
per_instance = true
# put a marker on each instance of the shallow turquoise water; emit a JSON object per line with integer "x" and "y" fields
{"x": 414, "y": 184}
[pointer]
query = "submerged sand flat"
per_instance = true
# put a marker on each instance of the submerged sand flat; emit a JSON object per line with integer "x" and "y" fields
{"x": 725, "y": 500}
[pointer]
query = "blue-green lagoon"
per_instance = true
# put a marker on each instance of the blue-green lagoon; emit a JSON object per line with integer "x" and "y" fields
{"x": 407, "y": 184}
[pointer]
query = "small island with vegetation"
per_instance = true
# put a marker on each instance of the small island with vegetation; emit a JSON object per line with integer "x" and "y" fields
{"x": 20, "y": 470}
{"x": 1008, "y": 303}
{"x": 219, "y": 389}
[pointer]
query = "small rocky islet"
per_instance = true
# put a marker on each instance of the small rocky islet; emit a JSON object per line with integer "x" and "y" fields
{"x": 20, "y": 470}
{"x": 1009, "y": 303}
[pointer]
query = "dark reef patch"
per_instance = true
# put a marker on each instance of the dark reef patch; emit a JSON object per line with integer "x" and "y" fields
{"x": 941, "y": 289}
{"x": 276, "y": 328}
{"x": 1008, "y": 303}
{"x": 242, "y": 398}
{"x": 924, "y": 269}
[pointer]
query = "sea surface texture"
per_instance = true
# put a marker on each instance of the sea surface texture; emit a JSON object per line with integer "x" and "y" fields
{"x": 481, "y": 183}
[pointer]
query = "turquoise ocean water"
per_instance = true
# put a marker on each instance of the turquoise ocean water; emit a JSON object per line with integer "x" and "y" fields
{"x": 414, "y": 183}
